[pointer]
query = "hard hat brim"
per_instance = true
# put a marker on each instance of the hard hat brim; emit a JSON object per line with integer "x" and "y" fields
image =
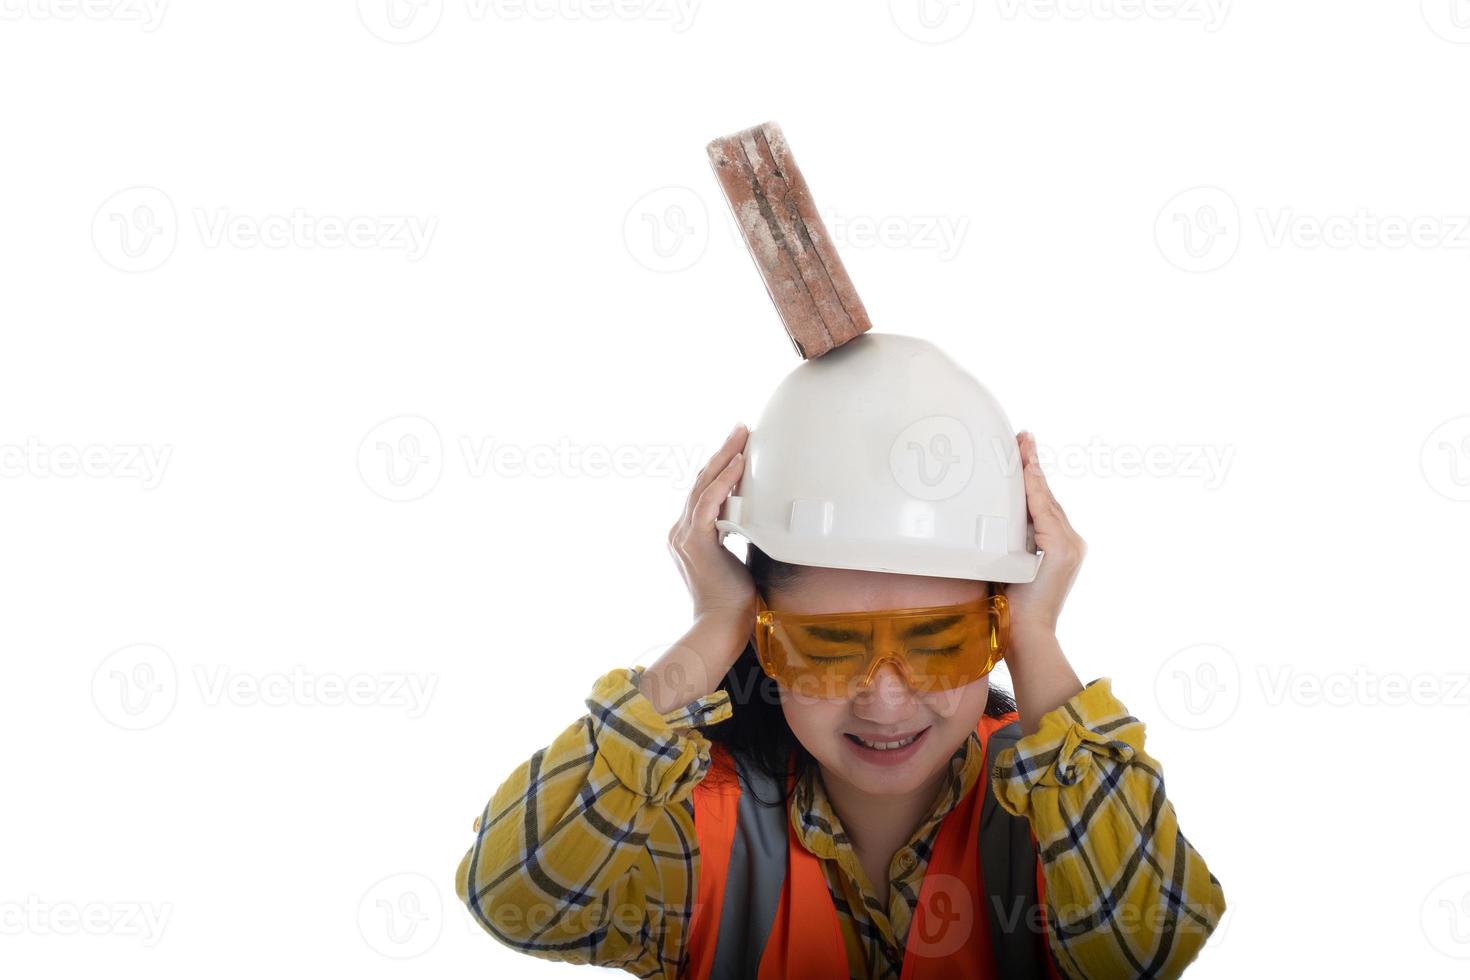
{"x": 920, "y": 557}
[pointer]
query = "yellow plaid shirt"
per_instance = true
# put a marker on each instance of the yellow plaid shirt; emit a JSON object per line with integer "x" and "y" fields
{"x": 587, "y": 853}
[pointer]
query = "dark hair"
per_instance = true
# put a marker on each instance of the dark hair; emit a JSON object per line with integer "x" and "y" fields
{"x": 757, "y": 730}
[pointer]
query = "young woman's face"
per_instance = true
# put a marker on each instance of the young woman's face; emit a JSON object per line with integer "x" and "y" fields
{"x": 888, "y": 707}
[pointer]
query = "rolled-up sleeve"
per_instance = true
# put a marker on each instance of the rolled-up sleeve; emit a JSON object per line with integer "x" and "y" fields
{"x": 1127, "y": 895}
{"x": 586, "y": 852}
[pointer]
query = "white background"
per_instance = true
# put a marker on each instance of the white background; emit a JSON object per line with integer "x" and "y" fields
{"x": 1194, "y": 230}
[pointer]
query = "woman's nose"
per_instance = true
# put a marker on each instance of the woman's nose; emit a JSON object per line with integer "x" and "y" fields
{"x": 887, "y": 684}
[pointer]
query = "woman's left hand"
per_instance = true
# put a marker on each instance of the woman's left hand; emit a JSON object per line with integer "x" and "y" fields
{"x": 1035, "y": 606}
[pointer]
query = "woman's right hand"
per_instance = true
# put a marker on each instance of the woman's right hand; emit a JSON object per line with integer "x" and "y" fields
{"x": 720, "y": 584}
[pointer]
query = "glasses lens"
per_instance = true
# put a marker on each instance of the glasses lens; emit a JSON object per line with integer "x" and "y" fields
{"x": 833, "y": 656}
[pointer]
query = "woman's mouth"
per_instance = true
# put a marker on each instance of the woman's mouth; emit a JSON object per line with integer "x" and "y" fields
{"x": 886, "y": 751}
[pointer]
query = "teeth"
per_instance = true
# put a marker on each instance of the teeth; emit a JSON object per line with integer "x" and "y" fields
{"x": 887, "y": 745}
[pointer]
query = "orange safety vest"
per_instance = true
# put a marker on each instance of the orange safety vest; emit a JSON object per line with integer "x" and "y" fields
{"x": 763, "y": 909}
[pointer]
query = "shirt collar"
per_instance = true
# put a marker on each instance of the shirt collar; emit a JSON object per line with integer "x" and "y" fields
{"x": 821, "y": 832}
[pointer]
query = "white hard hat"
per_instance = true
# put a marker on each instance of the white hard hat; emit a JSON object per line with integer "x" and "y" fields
{"x": 886, "y": 455}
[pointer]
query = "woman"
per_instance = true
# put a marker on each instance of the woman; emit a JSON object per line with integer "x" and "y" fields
{"x": 636, "y": 839}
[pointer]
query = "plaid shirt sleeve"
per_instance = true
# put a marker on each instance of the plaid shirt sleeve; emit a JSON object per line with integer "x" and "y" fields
{"x": 1126, "y": 893}
{"x": 585, "y": 854}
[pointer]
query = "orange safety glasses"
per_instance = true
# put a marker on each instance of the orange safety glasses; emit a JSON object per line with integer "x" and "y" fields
{"x": 934, "y": 648}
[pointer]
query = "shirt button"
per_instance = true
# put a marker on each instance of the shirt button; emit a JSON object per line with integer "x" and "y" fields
{"x": 906, "y": 860}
